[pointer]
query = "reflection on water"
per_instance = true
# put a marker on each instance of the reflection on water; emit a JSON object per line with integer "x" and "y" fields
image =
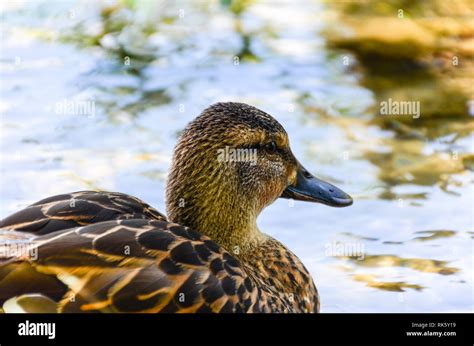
{"x": 422, "y": 265}
{"x": 408, "y": 162}
{"x": 431, "y": 235}
{"x": 150, "y": 67}
{"x": 399, "y": 286}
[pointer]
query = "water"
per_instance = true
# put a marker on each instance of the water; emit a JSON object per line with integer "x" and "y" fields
{"x": 406, "y": 245}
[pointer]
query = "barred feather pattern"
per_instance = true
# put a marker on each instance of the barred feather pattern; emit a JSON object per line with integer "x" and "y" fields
{"x": 109, "y": 252}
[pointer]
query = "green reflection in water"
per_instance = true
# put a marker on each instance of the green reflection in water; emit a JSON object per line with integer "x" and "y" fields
{"x": 359, "y": 237}
{"x": 238, "y": 8}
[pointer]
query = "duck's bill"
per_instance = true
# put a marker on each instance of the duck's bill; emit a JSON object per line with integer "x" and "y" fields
{"x": 311, "y": 189}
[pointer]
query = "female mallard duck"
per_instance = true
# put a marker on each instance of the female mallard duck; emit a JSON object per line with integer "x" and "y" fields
{"x": 109, "y": 252}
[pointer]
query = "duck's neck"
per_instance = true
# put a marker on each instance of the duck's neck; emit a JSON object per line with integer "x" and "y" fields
{"x": 228, "y": 227}
{"x": 198, "y": 201}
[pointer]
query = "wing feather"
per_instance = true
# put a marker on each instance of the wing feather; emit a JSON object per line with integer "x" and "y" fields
{"x": 132, "y": 265}
{"x": 78, "y": 209}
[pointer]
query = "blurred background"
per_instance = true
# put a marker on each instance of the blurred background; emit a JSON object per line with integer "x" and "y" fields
{"x": 93, "y": 95}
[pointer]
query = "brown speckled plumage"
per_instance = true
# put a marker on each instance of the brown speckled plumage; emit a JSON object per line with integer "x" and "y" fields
{"x": 109, "y": 252}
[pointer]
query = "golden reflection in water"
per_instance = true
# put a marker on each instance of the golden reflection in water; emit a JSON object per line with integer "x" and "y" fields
{"x": 407, "y": 164}
{"x": 396, "y": 286}
{"x": 431, "y": 235}
{"x": 418, "y": 264}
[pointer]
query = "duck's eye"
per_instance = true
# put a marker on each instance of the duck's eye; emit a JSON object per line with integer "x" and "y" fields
{"x": 271, "y": 147}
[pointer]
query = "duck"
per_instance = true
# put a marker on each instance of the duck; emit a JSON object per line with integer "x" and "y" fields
{"x": 99, "y": 251}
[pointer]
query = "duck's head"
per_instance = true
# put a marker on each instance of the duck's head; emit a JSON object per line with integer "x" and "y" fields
{"x": 230, "y": 162}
